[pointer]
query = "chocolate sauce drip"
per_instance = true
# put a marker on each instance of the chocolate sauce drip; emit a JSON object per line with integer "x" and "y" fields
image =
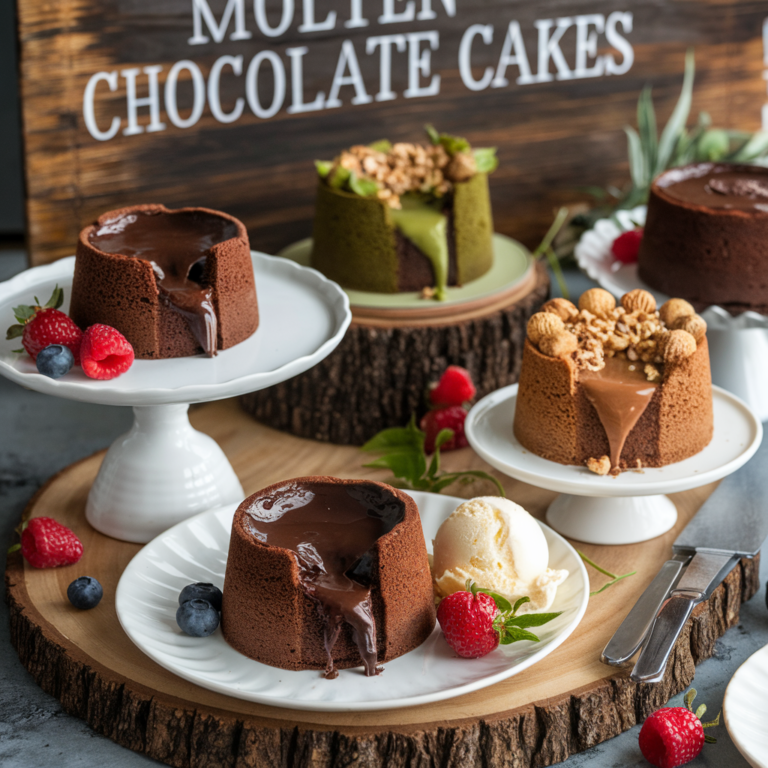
{"x": 620, "y": 396}
{"x": 332, "y": 528}
{"x": 718, "y": 186}
{"x": 176, "y": 245}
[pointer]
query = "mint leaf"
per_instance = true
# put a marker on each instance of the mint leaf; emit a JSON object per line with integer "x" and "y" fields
{"x": 532, "y": 619}
{"x": 522, "y": 601}
{"x": 362, "y": 186}
{"x": 434, "y": 136}
{"x": 408, "y": 465}
{"x": 514, "y": 635}
{"x": 323, "y": 168}
{"x": 486, "y": 160}
{"x": 14, "y": 548}
{"x": 14, "y": 332}
{"x": 397, "y": 438}
{"x": 381, "y": 146}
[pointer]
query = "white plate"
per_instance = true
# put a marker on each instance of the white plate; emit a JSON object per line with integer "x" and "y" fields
{"x": 196, "y": 550}
{"x": 744, "y": 709}
{"x": 737, "y": 436}
{"x": 302, "y": 318}
{"x": 512, "y": 265}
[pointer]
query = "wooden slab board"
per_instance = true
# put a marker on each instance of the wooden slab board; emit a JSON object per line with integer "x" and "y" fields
{"x": 556, "y": 113}
{"x": 566, "y": 703}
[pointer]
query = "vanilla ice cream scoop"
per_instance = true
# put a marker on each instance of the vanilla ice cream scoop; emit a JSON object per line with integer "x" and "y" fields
{"x": 497, "y": 544}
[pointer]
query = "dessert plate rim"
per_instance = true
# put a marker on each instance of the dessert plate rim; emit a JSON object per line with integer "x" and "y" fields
{"x": 140, "y": 588}
{"x": 123, "y": 391}
{"x": 521, "y": 464}
{"x": 745, "y": 699}
{"x": 483, "y": 288}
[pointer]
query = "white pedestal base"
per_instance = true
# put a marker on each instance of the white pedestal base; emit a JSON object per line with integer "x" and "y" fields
{"x": 158, "y": 474}
{"x": 622, "y": 520}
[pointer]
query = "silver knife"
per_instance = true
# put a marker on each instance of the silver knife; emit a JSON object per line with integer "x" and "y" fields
{"x": 731, "y": 524}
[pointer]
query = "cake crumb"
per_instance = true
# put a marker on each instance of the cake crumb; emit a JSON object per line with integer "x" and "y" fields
{"x": 651, "y": 372}
{"x": 601, "y": 466}
{"x": 427, "y": 292}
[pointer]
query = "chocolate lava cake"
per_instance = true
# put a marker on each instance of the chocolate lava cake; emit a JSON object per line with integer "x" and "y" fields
{"x": 327, "y": 574}
{"x": 615, "y": 387}
{"x": 706, "y": 236}
{"x": 405, "y": 217}
{"x": 174, "y": 282}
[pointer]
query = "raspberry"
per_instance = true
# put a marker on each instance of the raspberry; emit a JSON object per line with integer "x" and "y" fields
{"x": 105, "y": 353}
{"x": 626, "y": 246}
{"x": 444, "y": 418}
{"x": 39, "y": 327}
{"x": 674, "y": 736}
{"x": 48, "y": 544}
{"x": 454, "y": 388}
{"x": 467, "y": 623}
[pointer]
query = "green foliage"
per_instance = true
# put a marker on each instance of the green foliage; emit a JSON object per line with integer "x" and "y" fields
{"x": 402, "y": 450}
{"x": 614, "y": 578}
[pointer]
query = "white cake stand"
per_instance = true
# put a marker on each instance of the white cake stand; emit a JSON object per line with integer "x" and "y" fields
{"x": 738, "y": 346}
{"x": 613, "y": 510}
{"x": 163, "y": 471}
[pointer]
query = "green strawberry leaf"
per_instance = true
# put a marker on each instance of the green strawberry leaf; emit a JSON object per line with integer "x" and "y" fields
{"x": 688, "y": 699}
{"x": 24, "y": 312}
{"x": 14, "y": 548}
{"x": 531, "y": 619}
{"x": 323, "y": 168}
{"x": 522, "y": 601}
{"x": 14, "y": 332}
{"x": 56, "y": 300}
{"x": 18, "y": 351}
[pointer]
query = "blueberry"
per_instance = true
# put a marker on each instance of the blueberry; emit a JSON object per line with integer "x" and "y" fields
{"x": 55, "y": 360}
{"x": 197, "y": 618}
{"x": 201, "y": 591}
{"x": 85, "y": 593}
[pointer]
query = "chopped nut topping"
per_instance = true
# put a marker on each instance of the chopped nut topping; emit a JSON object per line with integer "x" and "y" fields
{"x": 651, "y": 372}
{"x": 563, "y": 344}
{"x": 601, "y": 466}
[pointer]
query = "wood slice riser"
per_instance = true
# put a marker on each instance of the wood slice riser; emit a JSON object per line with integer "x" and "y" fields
{"x": 170, "y": 730}
{"x": 378, "y": 376}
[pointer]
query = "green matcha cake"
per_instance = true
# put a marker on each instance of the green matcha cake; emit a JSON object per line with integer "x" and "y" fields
{"x": 405, "y": 217}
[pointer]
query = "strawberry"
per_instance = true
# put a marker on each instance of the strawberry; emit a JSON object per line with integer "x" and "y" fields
{"x": 41, "y": 326}
{"x": 454, "y": 388}
{"x": 48, "y": 544}
{"x": 675, "y": 735}
{"x": 476, "y": 621}
{"x": 105, "y": 353}
{"x": 627, "y": 245}
{"x": 444, "y": 418}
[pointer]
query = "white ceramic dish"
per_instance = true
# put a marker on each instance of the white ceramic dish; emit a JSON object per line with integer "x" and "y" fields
{"x": 512, "y": 265}
{"x": 738, "y": 346}
{"x": 287, "y": 342}
{"x": 163, "y": 471}
{"x": 613, "y": 510}
{"x": 744, "y": 708}
{"x": 196, "y": 550}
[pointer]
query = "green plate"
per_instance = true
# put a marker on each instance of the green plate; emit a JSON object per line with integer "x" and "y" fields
{"x": 512, "y": 264}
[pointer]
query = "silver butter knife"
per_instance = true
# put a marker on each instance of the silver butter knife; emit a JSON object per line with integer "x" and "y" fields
{"x": 731, "y": 524}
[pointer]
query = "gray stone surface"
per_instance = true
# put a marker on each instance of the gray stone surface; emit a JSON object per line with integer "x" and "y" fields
{"x": 41, "y": 435}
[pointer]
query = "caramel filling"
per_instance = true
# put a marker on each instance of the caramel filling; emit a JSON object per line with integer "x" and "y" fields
{"x": 620, "y": 396}
{"x": 331, "y": 529}
{"x": 176, "y": 244}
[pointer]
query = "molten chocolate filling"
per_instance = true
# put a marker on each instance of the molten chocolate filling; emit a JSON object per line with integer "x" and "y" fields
{"x": 331, "y": 529}
{"x": 620, "y": 395}
{"x": 715, "y": 186}
{"x": 176, "y": 244}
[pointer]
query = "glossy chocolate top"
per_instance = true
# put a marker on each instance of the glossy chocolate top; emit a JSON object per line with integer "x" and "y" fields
{"x": 620, "y": 394}
{"x": 331, "y": 528}
{"x": 176, "y": 244}
{"x": 718, "y": 186}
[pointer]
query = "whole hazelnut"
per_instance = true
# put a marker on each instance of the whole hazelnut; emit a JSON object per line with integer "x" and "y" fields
{"x": 561, "y": 345}
{"x": 597, "y": 301}
{"x": 694, "y": 324}
{"x": 673, "y": 309}
{"x": 563, "y": 308}
{"x": 543, "y": 324}
{"x": 639, "y": 301}
{"x": 678, "y": 345}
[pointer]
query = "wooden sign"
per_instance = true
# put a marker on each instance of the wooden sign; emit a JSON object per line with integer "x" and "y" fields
{"x": 226, "y": 103}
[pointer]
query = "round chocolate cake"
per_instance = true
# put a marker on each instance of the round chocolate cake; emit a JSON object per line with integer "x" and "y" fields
{"x": 174, "y": 282}
{"x": 327, "y": 574}
{"x": 615, "y": 387}
{"x": 706, "y": 236}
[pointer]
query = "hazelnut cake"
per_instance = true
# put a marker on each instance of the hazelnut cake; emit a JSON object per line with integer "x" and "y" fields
{"x": 405, "y": 217}
{"x": 614, "y": 386}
